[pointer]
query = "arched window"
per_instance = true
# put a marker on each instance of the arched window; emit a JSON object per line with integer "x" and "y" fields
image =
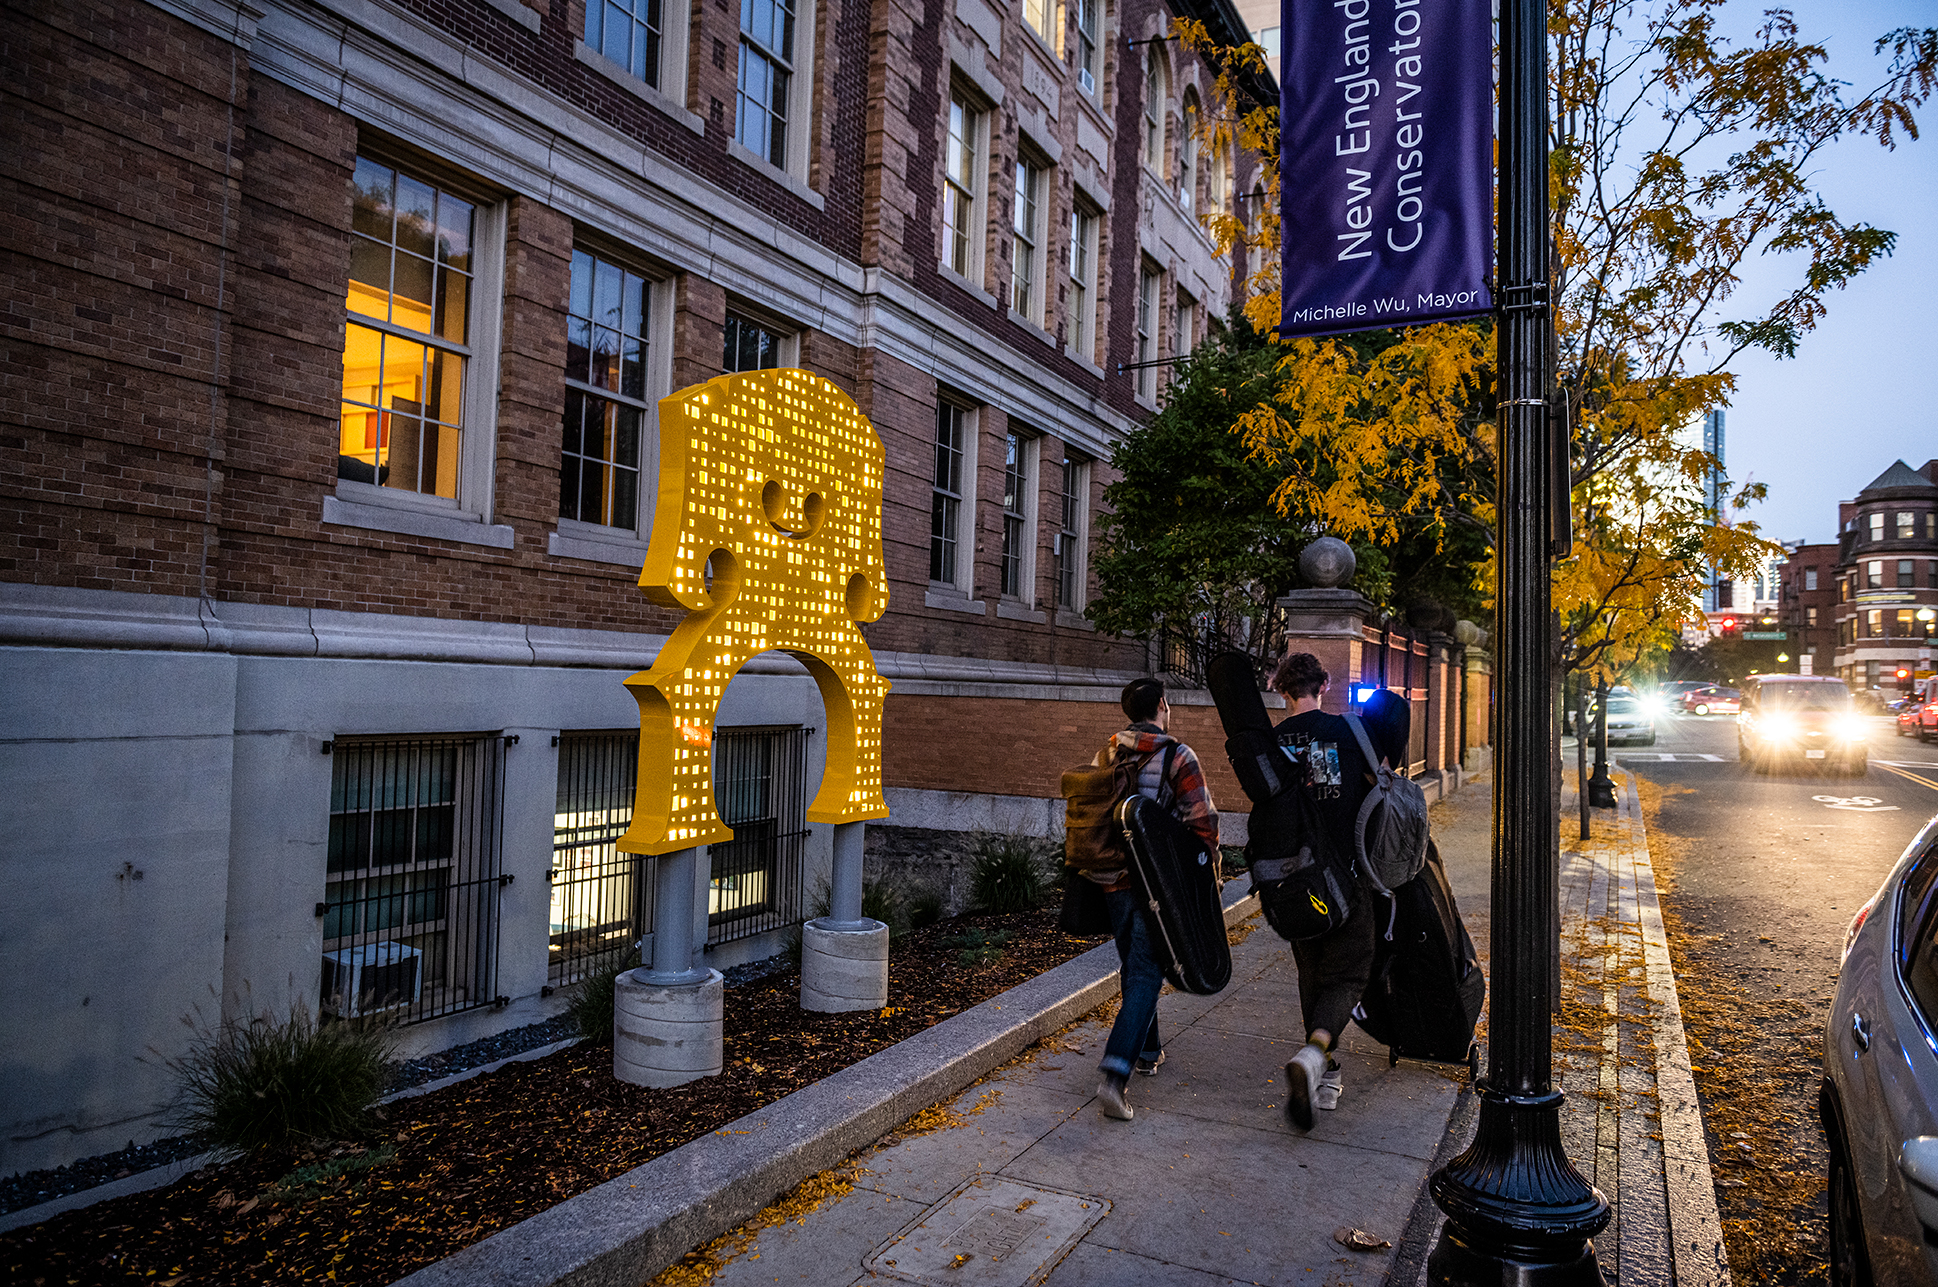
{"x": 1188, "y": 155}
{"x": 1215, "y": 181}
{"x": 1154, "y": 95}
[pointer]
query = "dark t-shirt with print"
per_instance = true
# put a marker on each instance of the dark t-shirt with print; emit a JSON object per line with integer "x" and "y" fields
{"x": 1335, "y": 768}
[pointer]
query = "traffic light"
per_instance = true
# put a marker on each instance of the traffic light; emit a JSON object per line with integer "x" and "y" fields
{"x": 1729, "y": 627}
{"x": 1904, "y": 678}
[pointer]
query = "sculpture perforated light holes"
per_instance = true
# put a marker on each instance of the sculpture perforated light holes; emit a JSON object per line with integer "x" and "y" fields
{"x": 769, "y": 532}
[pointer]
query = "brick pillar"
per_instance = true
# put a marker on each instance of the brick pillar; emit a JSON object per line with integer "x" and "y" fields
{"x": 1330, "y": 624}
{"x": 1478, "y": 666}
{"x": 1441, "y": 695}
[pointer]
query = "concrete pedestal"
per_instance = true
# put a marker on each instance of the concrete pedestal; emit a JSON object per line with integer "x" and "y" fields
{"x": 666, "y": 1035}
{"x": 844, "y": 965}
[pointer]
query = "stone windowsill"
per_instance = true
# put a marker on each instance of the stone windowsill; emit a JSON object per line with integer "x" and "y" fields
{"x": 951, "y": 275}
{"x": 521, "y": 14}
{"x": 411, "y": 520}
{"x": 597, "y": 545}
{"x": 1071, "y": 621}
{"x": 1027, "y": 323}
{"x": 1015, "y": 610}
{"x": 950, "y": 599}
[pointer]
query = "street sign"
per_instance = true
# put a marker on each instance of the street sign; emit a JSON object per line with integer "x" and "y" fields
{"x": 1765, "y": 634}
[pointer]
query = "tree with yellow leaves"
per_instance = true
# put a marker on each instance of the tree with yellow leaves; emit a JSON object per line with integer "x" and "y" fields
{"x": 1676, "y": 155}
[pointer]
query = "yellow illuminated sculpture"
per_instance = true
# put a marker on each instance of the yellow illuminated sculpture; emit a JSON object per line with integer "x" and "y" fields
{"x": 768, "y": 531}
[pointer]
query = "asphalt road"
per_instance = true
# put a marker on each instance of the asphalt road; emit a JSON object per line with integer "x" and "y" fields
{"x": 1766, "y": 874}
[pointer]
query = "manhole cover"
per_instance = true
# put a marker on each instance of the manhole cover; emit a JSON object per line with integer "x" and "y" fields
{"x": 991, "y": 1232}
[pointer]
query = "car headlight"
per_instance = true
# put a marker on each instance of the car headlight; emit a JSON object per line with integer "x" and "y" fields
{"x": 1849, "y": 728}
{"x": 1779, "y": 726}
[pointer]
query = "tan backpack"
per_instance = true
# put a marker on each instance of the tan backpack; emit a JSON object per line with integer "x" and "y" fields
{"x": 1092, "y": 839}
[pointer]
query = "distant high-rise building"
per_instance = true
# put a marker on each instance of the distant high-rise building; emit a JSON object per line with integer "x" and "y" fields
{"x": 1716, "y": 596}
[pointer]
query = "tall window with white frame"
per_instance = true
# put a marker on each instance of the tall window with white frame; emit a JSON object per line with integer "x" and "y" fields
{"x": 1025, "y": 278}
{"x": 961, "y": 189}
{"x": 1040, "y": 15}
{"x": 629, "y": 32}
{"x": 1085, "y": 29}
{"x": 1188, "y": 156}
{"x": 766, "y": 73}
{"x": 405, "y": 341}
{"x": 1147, "y": 287}
{"x": 1215, "y": 181}
{"x": 1069, "y": 537}
{"x": 1016, "y": 497}
{"x": 1184, "y": 335}
{"x": 1083, "y": 282}
{"x": 1154, "y": 95}
{"x": 945, "y": 514}
{"x": 607, "y": 411}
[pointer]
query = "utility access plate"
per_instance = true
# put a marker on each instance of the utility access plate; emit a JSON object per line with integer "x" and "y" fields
{"x": 991, "y": 1232}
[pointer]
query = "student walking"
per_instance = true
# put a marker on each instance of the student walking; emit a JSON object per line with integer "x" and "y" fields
{"x": 1335, "y": 967}
{"x": 1170, "y": 774}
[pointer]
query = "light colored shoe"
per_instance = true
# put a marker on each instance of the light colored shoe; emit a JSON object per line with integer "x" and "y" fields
{"x": 1302, "y": 1085}
{"x": 1331, "y": 1086}
{"x": 1113, "y": 1101}
{"x": 1149, "y": 1067}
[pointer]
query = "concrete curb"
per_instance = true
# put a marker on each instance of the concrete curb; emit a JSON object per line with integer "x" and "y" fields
{"x": 1695, "y": 1227}
{"x": 628, "y": 1229}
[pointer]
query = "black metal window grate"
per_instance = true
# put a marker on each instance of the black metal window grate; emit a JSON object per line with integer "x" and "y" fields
{"x": 411, "y": 898}
{"x": 601, "y": 898}
{"x": 759, "y": 782}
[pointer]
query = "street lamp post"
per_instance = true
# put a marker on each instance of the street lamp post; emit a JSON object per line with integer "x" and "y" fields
{"x": 1518, "y": 1212}
{"x": 1601, "y": 788}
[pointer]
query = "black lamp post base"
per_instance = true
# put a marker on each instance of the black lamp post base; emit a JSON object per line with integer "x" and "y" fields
{"x": 1454, "y": 1264}
{"x": 1601, "y": 791}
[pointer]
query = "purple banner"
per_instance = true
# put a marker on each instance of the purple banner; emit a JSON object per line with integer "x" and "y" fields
{"x": 1387, "y": 181}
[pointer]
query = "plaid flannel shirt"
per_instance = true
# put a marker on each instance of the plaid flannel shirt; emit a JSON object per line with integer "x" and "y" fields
{"x": 1190, "y": 796}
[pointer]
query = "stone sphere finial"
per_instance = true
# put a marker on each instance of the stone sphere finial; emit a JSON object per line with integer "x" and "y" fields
{"x": 1327, "y": 562}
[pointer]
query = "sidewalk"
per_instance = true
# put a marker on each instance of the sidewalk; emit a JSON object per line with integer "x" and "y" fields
{"x": 1019, "y": 1179}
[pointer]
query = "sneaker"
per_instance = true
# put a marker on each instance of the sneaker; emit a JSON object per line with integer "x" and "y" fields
{"x": 1302, "y": 1085}
{"x": 1111, "y": 1098}
{"x": 1331, "y": 1086}
{"x": 1149, "y": 1067}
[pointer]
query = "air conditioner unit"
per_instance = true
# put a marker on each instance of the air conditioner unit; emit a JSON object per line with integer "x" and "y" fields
{"x": 1088, "y": 81}
{"x": 371, "y": 979}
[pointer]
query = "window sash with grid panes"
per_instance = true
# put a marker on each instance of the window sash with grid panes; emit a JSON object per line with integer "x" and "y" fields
{"x": 1083, "y": 22}
{"x": 1039, "y": 14}
{"x": 1016, "y": 483}
{"x": 945, "y": 514}
{"x": 1083, "y": 259}
{"x": 1147, "y": 283}
{"x": 749, "y": 346}
{"x": 1186, "y": 330}
{"x": 754, "y": 884}
{"x": 1028, "y": 232}
{"x": 600, "y": 896}
{"x": 406, "y": 331}
{"x": 630, "y": 32}
{"x": 1154, "y": 111}
{"x": 607, "y": 413}
{"x": 1907, "y": 525}
{"x": 959, "y": 188}
{"x": 1069, "y": 538}
{"x": 766, "y": 69}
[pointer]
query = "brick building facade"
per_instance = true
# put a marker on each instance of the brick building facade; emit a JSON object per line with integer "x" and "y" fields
{"x": 335, "y": 331}
{"x": 1887, "y": 574}
{"x": 1807, "y": 606}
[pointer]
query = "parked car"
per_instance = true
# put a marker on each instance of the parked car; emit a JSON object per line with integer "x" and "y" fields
{"x": 1924, "y": 720}
{"x": 1629, "y": 720}
{"x": 1904, "y": 715}
{"x": 1712, "y": 699}
{"x": 1800, "y": 717}
{"x": 1879, "y": 1097}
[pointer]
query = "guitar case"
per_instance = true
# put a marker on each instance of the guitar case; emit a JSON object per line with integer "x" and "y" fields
{"x": 1264, "y": 768}
{"x": 1426, "y": 992}
{"x": 1179, "y": 884}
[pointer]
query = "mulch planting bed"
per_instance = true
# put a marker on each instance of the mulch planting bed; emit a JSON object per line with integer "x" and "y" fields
{"x": 445, "y": 1169}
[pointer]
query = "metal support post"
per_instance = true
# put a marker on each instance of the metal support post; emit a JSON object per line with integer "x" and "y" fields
{"x": 1518, "y": 1212}
{"x": 844, "y": 902}
{"x": 1601, "y": 788}
{"x": 673, "y": 910}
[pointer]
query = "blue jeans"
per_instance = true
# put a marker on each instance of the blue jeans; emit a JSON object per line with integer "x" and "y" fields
{"x": 1134, "y": 1035}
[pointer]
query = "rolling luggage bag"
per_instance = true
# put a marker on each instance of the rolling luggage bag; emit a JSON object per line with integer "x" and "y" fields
{"x": 1427, "y": 989}
{"x": 1179, "y": 884}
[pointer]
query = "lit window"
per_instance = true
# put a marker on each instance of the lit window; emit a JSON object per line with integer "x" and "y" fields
{"x": 1154, "y": 109}
{"x": 1147, "y": 284}
{"x": 960, "y": 188}
{"x": 405, "y": 345}
{"x": 749, "y": 346}
{"x": 1907, "y": 525}
{"x": 1810, "y": 616}
{"x": 1069, "y": 537}
{"x": 629, "y": 33}
{"x": 607, "y": 410}
{"x": 766, "y": 71}
{"x": 1027, "y": 227}
{"x": 1083, "y": 283}
{"x": 598, "y": 896}
{"x": 759, "y": 780}
{"x": 945, "y": 515}
{"x": 1019, "y": 495}
{"x": 1039, "y": 13}
{"x": 1083, "y": 21}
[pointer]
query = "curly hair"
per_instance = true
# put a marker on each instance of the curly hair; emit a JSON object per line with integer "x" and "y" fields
{"x": 1299, "y": 674}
